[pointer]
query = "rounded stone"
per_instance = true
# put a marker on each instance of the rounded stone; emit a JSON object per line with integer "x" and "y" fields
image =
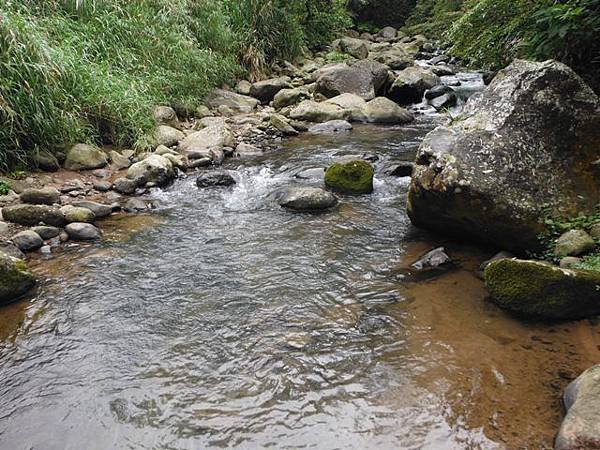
{"x": 352, "y": 177}
{"x": 27, "y": 240}
{"x": 83, "y": 231}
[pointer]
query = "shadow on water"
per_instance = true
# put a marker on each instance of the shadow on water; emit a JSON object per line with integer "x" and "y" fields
{"x": 231, "y": 323}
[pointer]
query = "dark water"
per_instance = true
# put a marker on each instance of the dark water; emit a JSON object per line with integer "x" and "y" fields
{"x": 235, "y": 324}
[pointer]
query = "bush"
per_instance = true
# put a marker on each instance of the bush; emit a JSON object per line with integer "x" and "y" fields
{"x": 381, "y": 13}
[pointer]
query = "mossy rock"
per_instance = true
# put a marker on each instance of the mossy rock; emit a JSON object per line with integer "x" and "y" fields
{"x": 541, "y": 290}
{"x": 351, "y": 177}
{"x": 15, "y": 278}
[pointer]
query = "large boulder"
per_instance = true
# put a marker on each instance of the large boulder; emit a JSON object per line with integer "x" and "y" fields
{"x": 383, "y": 110}
{"x": 289, "y": 97}
{"x": 43, "y": 196}
{"x": 154, "y": 169}
{"x": 15, "y": 279}
{"x": 354, "y": 47}
{"x": 350, "y": 177}
{"x": 167, "y": 135}
{"x": 312, "y": 111}
{"x": 397, "y": 57}
{"x": 541, "y": 290}
{"x": 165, "y": 115}
{"x": 306, "y": 198}
{"x": 365, "y": 78}
{"x": 523, "y": 148}
{"x": 31, "y": 215}
{"x": 265, "y": 90}
{"x": 410, "y": 85}
{"x": 199, "y": 144}
{"x": 352, "y": 103}
{"x": 85, "y": 157}
{"x": 581, "y": 427}
{"x": 236, "y": 102}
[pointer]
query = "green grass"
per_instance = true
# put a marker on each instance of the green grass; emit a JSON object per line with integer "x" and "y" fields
{"x": 590, "y": 262}
{"x": 4, "y": 188}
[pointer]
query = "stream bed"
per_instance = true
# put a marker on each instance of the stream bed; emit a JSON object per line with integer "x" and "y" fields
{"x": 224, "y": 321}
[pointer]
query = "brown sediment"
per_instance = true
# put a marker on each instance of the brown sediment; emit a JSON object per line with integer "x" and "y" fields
{"x": 493, "y": 371}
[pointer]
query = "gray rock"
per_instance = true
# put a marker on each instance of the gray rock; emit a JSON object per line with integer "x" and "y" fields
{"x": 383, "y": 110}
{"x": 574, "y": 243}
{"x": 85, "y": 157}
{"x": 244, "y": 150}
{"x": 432, "y": 259}
{"x": 98, "y": 209}
{"x": 595, "y": 231}
{"x": 44, "y": 196}
{"x": 569, "y": 262}
{"x": 304, "y": 198}
{"x": 214, "y": 178}
{"x": 168, "y": 136}
{"x": 281, "y": 124}
{"x": 118, "y": 161}
{"x": 243, "y": 87}
{"x": 31, "y": 215}
{"x": 443, "y": 70}
{"x": 289, "y": 97}
{"x": 519, "y": 146}
{"x": 15, "y": 278}
{"x": 3, "y": 228}
{"x": 438, "y": 91}
{"x": 317, "y": 173}
{"x": 46, "y": 161}
{"x": 236, "y": 102}
{"x": 312, "y": 111}
{"x": 46, "y": 232}
{"x": 265, "y": 90}
{"x": 78, "y": 214}
{"x": 154, "y": 169}
{"x": 124, "y": 186}
{"x": 136, "y": 205}
{"x": 410, "y": 85}
{"x": 444, "y": 101}
{"x": 354, "y": 47}
{"x": 332, "y": 126}
{"x": 365, "y": 78}
{"x": 387, "y": 33}
{"x": 27, "y": 240}
{"x": 200, "y": 162}
{"x": 199, "y": 144}
{"x": 83, "y": 231}
{"x": 165, "y": 115}
{"x": 11, "y": 249}
{"x": 581, "y": 426}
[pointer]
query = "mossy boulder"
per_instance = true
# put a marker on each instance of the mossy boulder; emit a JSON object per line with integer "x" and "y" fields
{"x": 15, "y": 279}
{"x": 350, "y": 177}
{"x": 541, "y": 290}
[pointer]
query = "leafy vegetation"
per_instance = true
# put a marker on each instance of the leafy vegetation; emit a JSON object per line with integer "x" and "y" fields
{"x": 92, "y": 70}
{"x": 4, "y": 187}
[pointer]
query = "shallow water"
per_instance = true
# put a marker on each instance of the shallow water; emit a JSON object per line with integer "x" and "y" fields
{"x": 224, "y": 321}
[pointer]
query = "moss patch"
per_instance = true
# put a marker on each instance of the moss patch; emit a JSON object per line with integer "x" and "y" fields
{"x": 352, "y": 177}
{"x": 538, "y": 289}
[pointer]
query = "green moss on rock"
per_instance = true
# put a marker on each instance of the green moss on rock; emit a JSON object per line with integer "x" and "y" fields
{"x": 15, "y": 278}
{"x": 538, "y": 289}
{"x": 352, "y": 177}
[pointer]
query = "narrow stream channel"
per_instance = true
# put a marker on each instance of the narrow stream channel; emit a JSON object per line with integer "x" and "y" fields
{"x": 232, "y": 323}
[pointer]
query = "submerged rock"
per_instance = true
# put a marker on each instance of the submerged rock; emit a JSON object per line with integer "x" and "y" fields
{"x": 306, "y": 198}
{"x": 85, "y": 157}
{"x": 541, "y": 290}
{"x": 350, "y": 177}
{"x": 525, "y": 144}
{"x": 581, "y": 426}
{"x": 15, "y": 278}
{"x": 214, "y": 178}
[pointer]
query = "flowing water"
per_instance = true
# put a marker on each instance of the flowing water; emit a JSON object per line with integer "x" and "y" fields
{"x": 224, "y": 321}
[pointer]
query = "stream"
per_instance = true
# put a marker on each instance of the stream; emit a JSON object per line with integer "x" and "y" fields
{"x": 225, "y": 321}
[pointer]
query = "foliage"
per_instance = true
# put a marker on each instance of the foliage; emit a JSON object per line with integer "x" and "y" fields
{"x": 380, "y": 13}
{"x": 590, "y": 262}
{"x": 4, "y": 187}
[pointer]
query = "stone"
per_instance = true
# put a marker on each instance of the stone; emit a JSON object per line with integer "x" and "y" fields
{"x": 27, "y": 240}
{"x": 305, "y": 198}
{"x": 383, "y": 110}
{"x": 168, "y": 136}
{"x": 46, "y": 232}
{"x": 199, "y": 144}
{"x": 200, "y": 162}
{"x": 162, "y": 150}
{"x": 211, "y": 178}
{"x": 354, "y": 47}
{"x": 410, "y": 85}
{"x": 541, "y": 290}
{"x": 438, "y": 91}
{"x": 85, "y": 157}
{"x": 396, "y": 58}
{"x": 432, "y": 259}
{"x": 289, "y": 97}
{"x": 365, "y": 78}
{"x": 569, "y": 262}
{"x": 83, "y": 231}
{"x": 312, "y": 111}
{"x": 99, "y": 210}
{"x": 316, "y": 173}
{"x": 165, "y": 115}
{"x": 124, "y": 186}
{"x": 280, "y": 123}
{"x": 15, "y": 278}
{"x": 3, "y": 228}
{"x": 332, "y": 126}
{"x": 350, "y": 177}
{"x": 244, "y": 150}
{"x": 574, "y": 243}
{"x": 136, "y": 205}
{"x": 403, "y": 169}
{"x": 98, "y": 173}
{"x": 443, "y": 70}
{"x": 595, "y": 231}
{"x": 387, "y": 32}
{"x": 154, "y": 169}
{"x": 177, "y": 161}
{"x": 31, "y": 215}
{"x": 521, "y": 150}
{"x": 444, "y": 101}
{"x": 44, "y": 196}
{"x": 11, "y": 249}
{"x": 265, "y": 90}
{"x": 46, "y": 161}
{"x": 118, "y": 161}
{"x": 236, "y": 102}
{"x": 243, "y": 87}
{"x": 78, "y": 214}
{"x": 580, "y": 428}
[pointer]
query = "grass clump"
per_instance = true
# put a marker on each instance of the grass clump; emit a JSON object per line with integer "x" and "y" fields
{"x": 4, "y": 187}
